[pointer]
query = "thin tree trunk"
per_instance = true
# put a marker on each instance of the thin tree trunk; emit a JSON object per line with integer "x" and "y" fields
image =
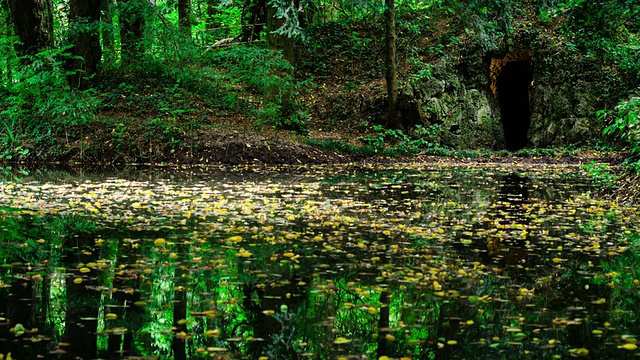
{"x": 84, "y": 15}
{"x": 390, "y": 64}
{"x": 184, "y": 16}
{"x": 33, "y": 24}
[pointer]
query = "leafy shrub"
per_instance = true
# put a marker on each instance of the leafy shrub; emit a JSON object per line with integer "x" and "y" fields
{"x": 626, "y": 123}
{"x": 37, "y": 100}
{"x": 422, "y": 138}
{"x": 601, "y": 174}
{"x": 262, "y": 80}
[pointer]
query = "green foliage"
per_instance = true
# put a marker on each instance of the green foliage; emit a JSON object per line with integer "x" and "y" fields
{"x": 490, "y": 20}
{"x": 606, "y": 29}
{"x": 422, "y": 138}
{"x": 260, "y": 81}
{"x": 626, "y": 123}
{"x": 37, "y": 100}
{"x": 601, "y": 174}
{"x": 333, "y": 42}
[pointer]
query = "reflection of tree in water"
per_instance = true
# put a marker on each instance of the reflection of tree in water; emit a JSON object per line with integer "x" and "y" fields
{"x": 274, "y": 311}
{"x": 509, "y": 243}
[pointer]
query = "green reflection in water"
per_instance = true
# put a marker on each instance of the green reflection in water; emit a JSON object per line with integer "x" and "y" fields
{"x": 410, "y": 262}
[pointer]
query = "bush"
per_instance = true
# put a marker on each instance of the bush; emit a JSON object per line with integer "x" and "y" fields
{"x": 37, "y": 100}
{"x": 626, "y": 124}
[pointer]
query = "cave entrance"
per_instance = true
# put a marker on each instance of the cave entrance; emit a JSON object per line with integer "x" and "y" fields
{"x": 511, "y": 80}
{"x": 512, "y": 86}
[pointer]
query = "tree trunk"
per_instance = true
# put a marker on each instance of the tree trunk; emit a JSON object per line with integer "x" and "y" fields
{"x": 390, "y": 64}
{"x": 283, "y": 97}
{"x": 277, "y": 41}
{"x": 84, "y": 16}
{"x": 131, "y": 27}
{"x": 33, "y": 24}
{"x": 184, "y": 16}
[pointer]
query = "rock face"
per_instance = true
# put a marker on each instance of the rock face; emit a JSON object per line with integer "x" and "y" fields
{"x": 558, "y": 107}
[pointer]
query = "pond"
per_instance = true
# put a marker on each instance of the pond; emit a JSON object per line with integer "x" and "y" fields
{"x": 410, "y": 261}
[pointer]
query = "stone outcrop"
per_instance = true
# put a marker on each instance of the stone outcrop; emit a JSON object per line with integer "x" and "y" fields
{"x": 567, "y": 90}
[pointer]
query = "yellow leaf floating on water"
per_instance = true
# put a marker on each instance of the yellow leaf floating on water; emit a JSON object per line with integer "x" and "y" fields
{"x": 212, "y": 333}
{"x": 579, "y": 352}
{"x": 289, "y": 254}
{"x": 390, "y": 337}
{"x": 159, "y": 242}
{"x": 77, "y": 281}
{"x": 243, "y": 253}
{"x": 452, "y": 342}
{"x": 111, "y": 316}
{"x": 371, "y": 310}
{"x": 599, "y": 301}
{"x": 629, "y": 347}
{"x": 341, "y": 340}
{"x": 384, "y": 357}
{"x": 437, "y": 286}
{"x": 235, "y": 239}
{"x": 84, "y": 270}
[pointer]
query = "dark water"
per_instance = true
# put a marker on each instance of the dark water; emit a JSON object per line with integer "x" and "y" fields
{"x": 414, "y": 261}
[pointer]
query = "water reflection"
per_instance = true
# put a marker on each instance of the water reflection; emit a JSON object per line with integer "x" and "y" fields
{"x": 510, "y": 243}
{"x": 350, "y": 263}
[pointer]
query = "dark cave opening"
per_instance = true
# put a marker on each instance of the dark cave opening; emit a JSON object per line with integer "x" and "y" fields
{"x": 513, "y": 88}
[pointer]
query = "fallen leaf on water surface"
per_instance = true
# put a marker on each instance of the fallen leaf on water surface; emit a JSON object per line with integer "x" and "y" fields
{"x": 341, "y": 340}
{"x": 579, "y": 352}
{"x": 212, "y": 333}
{"x": 628, "y": 346}
{"x": 217, "y": 349}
